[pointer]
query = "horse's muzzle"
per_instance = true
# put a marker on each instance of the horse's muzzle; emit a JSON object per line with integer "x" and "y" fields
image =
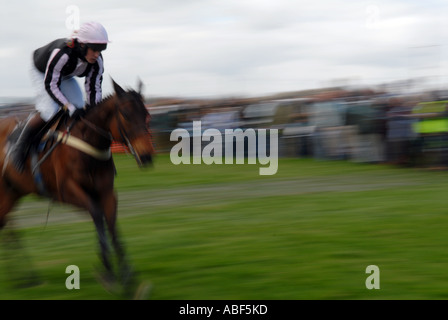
{"x": 145, "y": 160}
{"x": 143, "y": 150}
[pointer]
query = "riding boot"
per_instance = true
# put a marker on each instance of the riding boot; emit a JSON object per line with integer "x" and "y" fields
{"x": 31, "y": 132}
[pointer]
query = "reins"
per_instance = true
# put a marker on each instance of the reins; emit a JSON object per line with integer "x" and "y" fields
{"x": 100, "y": 131}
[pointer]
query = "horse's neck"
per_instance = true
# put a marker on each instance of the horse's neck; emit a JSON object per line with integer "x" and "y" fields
{"x": 98, "y": 120}
{"x": 101, "y": 115}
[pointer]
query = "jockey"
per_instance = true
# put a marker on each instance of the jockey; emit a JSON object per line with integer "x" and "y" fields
{"x": 53, "y": 71}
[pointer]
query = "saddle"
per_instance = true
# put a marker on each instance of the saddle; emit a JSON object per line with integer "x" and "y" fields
{"x": 37, "y": 148}
{"x": 54, "y": 124}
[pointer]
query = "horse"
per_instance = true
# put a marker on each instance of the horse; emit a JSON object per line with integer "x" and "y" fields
{"x": 76, "y": 167}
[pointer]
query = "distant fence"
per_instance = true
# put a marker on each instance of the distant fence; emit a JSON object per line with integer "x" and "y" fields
{"x": 117, "y": 147}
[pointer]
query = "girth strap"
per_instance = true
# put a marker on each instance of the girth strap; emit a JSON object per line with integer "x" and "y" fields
{"x": 82, "y": 146}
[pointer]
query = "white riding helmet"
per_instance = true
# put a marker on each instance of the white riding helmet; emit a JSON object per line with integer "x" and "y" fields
{"x": 93, "y": 34}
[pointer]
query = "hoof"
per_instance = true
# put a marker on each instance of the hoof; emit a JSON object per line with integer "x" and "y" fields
{"x": 108, "y": 281}
{"x": 143, "y": 291}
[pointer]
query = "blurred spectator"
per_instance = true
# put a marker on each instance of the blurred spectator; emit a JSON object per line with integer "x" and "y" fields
{"x": 432, "y": 128}
{"x": 400, "y": 133}
{"x": 328, "y": 117}
{"x": 367, "y": 142}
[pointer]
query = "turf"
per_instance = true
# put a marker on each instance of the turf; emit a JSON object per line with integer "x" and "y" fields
{"x": 225, "y": 232}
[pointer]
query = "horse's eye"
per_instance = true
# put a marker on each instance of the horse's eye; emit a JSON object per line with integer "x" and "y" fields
{"x": 127, "y": 116}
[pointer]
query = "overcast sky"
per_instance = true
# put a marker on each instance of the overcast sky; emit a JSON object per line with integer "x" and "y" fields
{"x": 236, "y": 47}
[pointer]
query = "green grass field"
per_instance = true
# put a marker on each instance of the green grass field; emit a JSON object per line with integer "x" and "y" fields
{"x": 225, "y": 232}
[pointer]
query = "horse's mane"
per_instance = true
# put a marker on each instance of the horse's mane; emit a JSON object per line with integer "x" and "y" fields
{"x": 103, "y": 100}
{"x": 131, "y": 92}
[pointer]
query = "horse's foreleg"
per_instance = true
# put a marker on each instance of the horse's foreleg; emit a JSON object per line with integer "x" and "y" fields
{"x": 75, "y": 195}
{"x": 98, "y": 220}
{"x": 109, "y": 206}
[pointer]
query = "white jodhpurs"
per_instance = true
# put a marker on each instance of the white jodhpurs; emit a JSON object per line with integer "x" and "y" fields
{"x": 45, "y": 105}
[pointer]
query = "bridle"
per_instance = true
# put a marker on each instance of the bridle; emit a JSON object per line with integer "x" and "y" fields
{"x": 124, "y": 135}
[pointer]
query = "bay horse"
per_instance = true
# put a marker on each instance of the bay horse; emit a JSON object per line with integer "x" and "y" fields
{"x": 83, "y": 177}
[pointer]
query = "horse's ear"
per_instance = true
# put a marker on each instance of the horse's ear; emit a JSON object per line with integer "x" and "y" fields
{"x": 140, "y": 86}
{"x": 118, "y": 90}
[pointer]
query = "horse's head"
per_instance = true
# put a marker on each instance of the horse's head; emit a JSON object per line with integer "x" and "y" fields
{"x": 131, "y": 127}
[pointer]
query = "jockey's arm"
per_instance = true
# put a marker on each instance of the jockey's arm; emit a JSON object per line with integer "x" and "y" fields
{"x": 52, "y": 78}
{"x": 93, "y": 83}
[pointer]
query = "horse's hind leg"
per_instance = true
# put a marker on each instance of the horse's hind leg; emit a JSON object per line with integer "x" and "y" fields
{"x": 16, "y": 260}
{"x": 8, "y": 199}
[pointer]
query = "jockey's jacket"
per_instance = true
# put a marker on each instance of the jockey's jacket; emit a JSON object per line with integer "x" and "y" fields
{"x": 63, "y": 58}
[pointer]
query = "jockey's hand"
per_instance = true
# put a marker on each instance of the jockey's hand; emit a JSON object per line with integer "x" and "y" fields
{"x": 69, "y": 108}
{"x": 78, "y": 113}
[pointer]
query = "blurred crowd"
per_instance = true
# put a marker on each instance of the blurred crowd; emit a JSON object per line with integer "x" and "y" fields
{"x": 360, "y": 126}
